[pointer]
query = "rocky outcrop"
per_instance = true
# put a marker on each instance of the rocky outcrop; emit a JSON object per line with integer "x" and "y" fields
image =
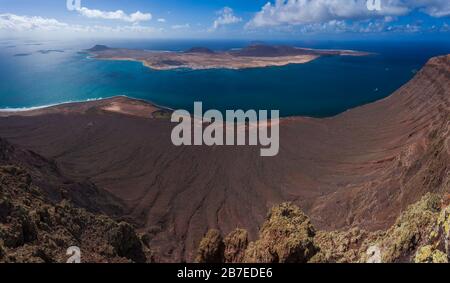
{"x": 416, "y": 236}
{"x": 343, "y": 246}
{"x": 420, "y": 235}
{"x": 428, "y": 254}
{"x": 411, "y": 230}
{"x": 211, "y": 248}
{"x": 235, "y": 245}
{"x": 124, "y": 239}
{"x": 437, "y": 248}
{"x": 286, "y": 237}
{"x": 37, "y": 227}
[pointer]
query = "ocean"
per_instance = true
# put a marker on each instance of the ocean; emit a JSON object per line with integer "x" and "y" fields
{"x": 36, "y": 73}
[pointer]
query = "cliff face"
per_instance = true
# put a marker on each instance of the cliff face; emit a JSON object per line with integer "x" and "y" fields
{"x": 41, "y": 215}
{"x": 359, "y": 169}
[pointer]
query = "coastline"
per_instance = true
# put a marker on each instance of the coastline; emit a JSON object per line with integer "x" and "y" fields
{"x": 39, "y": 107}
{"x": 200, "y": 58}
{"x": 303, "y": 59}
{"x": 110, "y": 104}
{"x": 5, "y": 112}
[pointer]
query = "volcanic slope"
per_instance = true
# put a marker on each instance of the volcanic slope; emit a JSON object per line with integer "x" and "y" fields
{"x": 360, "y": 168}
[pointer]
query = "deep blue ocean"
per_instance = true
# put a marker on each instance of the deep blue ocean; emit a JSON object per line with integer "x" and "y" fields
{"x": 36, "y": 73}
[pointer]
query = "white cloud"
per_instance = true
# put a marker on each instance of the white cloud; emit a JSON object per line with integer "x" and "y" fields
{"x": 184, "y": 26}
{"x": 34, "y": 25}
{"x": 365, "y": 27}
{"x": 161, "y": 20}
{"x": 297, "y": 12}
{"x": 226, "y": 17}
{"x": 116, "y": 15}
{"x": 23, "y": 23}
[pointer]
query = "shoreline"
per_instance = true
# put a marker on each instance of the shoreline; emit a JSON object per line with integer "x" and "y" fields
{"x": 295, "y": 60}
{"x": 5, "y": 112}
{"x": 201, "y": 58}
{"x": 40, "y": 107}
{"x": 121, "y": 104}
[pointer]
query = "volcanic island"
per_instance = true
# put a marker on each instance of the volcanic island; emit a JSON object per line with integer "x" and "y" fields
{"x": 201, "y": 58}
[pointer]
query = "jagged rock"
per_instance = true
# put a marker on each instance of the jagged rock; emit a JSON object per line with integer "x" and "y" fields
{"x": 427, "y": 254}
{"x": 286, "y": 237}
{"x": 341, "y": 246}
{"x": 420, "y": 234}
{"x": 444, "y": 226}
{"x": 211, "y": 249}
{"x": 416, "y": 236}
{"x": 411, "y": 230}
{"x": 31, "y": 254}
{"x": 126, "y": 242}
{"x": 33, "y": 228}
{"x": 235, "y": 245}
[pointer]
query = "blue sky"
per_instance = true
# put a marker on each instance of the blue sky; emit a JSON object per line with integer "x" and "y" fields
{"x": 256, "y": 19}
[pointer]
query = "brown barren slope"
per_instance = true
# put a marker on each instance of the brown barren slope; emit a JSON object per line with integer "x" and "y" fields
{"x": 360, "y": 168}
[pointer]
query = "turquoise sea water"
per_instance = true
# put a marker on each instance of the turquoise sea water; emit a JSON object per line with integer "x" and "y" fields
{"x": 36, "y": 73}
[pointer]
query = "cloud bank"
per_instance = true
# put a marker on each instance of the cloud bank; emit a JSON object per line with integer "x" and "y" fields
{"x": 26, "y": 24}
{"x": 116, "y": 15}
{"x": 298, "y": 12}
{"x": 23, "y": 23}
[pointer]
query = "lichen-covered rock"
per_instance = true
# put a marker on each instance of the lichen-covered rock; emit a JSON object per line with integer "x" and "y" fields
{"x": 287, "y": 236}
{"x": 34, "y": 228}
{"x": 411, "y": 230}
{"x": 427, "y": 254}
{"x": 444, "y": 228}
{"x": 235, "y": 245}
{"x": 211, "y": 248}
{"x": 420, "y": 234}
{"x": 342, "y": 246}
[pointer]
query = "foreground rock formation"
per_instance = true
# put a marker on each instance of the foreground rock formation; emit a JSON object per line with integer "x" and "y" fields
{"x": 354, "y": 172}
{"x": 42, "y": 214}
{"x": 421, "y": 234}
